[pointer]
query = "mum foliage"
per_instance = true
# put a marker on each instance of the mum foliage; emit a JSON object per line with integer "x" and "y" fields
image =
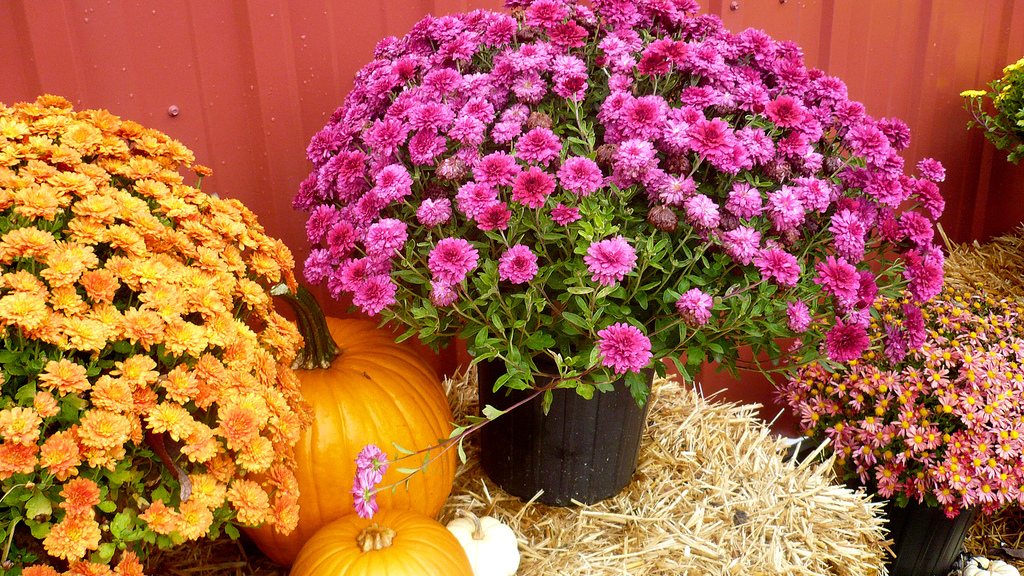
{"x": 147, "y": 390}
{"x": 933, "y": 410}
{"x": 1003, "y": 118}
{"x": 612, "y": 187}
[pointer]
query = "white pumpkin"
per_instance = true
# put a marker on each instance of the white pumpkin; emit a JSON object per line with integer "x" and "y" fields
{"x": 981, "y": 566}
{"x": 491, "y": 546}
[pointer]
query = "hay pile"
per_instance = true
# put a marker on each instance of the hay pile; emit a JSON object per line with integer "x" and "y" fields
{"x": 998, "y": 265}
{"x": 712, "y": 495}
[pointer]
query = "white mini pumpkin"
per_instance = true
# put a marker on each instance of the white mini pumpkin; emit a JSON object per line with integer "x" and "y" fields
{"x": 981, "y": 566}
{"x": 491, "y": 546}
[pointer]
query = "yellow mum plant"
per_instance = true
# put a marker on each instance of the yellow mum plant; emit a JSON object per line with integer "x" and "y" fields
{"x": 147, "y": 396}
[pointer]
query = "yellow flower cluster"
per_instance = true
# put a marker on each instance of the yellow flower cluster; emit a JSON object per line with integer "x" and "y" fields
{"x": 138, "y": 326}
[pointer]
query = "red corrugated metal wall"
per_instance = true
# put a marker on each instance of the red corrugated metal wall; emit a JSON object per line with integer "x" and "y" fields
{"x": 253, "y": 80}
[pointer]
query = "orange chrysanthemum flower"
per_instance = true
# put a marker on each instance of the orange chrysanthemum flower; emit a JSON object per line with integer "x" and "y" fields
{"x": 264, "y": 264}
{"x": 87, "y": 334}
{"x": 129, "y": 565}
{"x": 74, "y": 182}
{"x": 66, "y": 262}
{"x": 180, "y": 384}
{"x": 284, "y": 513}
{"x": 45, "y": 404}
{"x": 103, "y": 429}
{"x": 82, "y": 136}
{"x": 171, "y": 418}
{"x": 66, "y": 299}
{"x": 80, "y": 495}
{"x": 126, "y": 239}
{"x": 20, "y": 425}
{"x": 250, "y": 502}
{"x": 207, "y": 490}
{"x": 194, "y": 520}
{"x": 143, "y": 327}
{"x": 256, "y": 455}
{"x": 86, "y": 231}
{"x": 87, "y": 568}
{"x": 242, "y": 420}
{"x": 24, "y": 281}
{"x": 223, "y": 468}
{"x": 100, "y": 208}
{"x": 152, "y": 189}
{"x": 59, "y": 454}
{"x": 24, "y": 309}
{"x": 38, "y": 201}
{"x": 72, "y": 537}
{"x": 25, "y": 242}
{"x": 39, "y": 570}
{"x": 160, "y": 518}
{"x": 138, "y": 369}
{"x": 100, "y": 285}
{"x": 201, "y": 444}
{"x": 113, "y": 394}
{"x": 64, "y": 376}
{"x": 181, "y": 337}
{"x": 163, "y": 298}
{"x": 17, "y": 458}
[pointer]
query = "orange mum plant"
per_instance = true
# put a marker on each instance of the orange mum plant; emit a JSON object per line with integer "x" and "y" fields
{"x": 147, "y": 396}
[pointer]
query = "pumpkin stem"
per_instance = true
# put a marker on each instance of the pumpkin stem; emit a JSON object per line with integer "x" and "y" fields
{"x": 375, "y": 537}
{"x": 478, "y": 530}
{"x": 319, "y": 349}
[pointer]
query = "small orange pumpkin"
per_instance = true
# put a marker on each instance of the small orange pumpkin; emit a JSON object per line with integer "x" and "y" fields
{"x": 393, "y": 542}
{"x": 374, "y": 391}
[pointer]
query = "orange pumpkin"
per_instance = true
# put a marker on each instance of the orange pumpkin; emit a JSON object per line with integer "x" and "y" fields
{"x": 393, "y": 542}
{"x": 374, "y": 391}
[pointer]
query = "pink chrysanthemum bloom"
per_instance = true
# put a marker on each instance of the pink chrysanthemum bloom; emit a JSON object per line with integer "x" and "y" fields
{"x": 434, "y": 211}
{"x": 742, "y": 244}
{"x": 848, "y": 231}
{"x": 645, "y": 117}
{"x": 838, "y": 278}
{"x": 451, "y": 260}
{"x": 580, "y": 175}
{"x": 778, "y": 264}
{"x": 931, "y": 169}
{"x": 364, "y": 497}
{"x": 494, "y": 217}
{"x": 474, "y": 197}
{"x": 496, "y": 169}
{"x": 533, "y": 187}
{"x": 564, "y": 215}
{"x": 372, "y": 461}
{"x": 374, "y": 294}
{"x": 785, "y": 209}
{"x": 384, "y": 237}
{"x": 442, "y": 295}
{"x": 624, "y": 348}
{"x": 744, "y": 201}
{"x": 393, "y": 183}
{"x": 518, "y": 265}
{"x": 610, "y": 260}
{"x": 701, "y": 211}
{"x": 539, "y": 145}
{"x": 845, "y": 342}
{"x": 675, "y": 190}
{"x": 695, "y": 307}
{"x": 799, "y": 316}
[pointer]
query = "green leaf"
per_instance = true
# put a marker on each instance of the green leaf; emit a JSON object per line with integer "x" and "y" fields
{"x": 400, "y": 449}
{"x": 585, "y": 390}
{"x": 104, "y": 553}
{"x": 38, "y": 506}
{"x": 122, "y": 524}
{"x": 490, "y": 412}
{"x": 540, "y": 341}
{"x": 232, "y": 531}
{"x": 107, "y": 506}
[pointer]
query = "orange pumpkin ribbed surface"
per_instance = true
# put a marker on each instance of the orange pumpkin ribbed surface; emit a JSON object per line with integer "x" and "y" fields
{"x": 375, "y": 391}
{"x": 393, "y": 542}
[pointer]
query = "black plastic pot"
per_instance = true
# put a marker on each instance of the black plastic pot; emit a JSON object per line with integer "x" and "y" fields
{"x": 925, "y": 542}
{"x": 583, "y": 450}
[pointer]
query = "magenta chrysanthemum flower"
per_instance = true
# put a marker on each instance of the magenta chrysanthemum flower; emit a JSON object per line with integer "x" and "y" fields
{"x": 496, "y": 169}
{"x": 494, "y": 217}
{"x": 373, "y": 462}
{"x": 785, "y": 209}
{"x": 320, "y": 222}
{"x": 695, "y": 307}
{"x": 580, "y": 175}
{"x": 701, "y": 211}
{"x": 318, "y": 266}
{"x": 364, "y": 497}
{"x": 744, "y": 201}
{"x": 848, "y": 231}
{"x": 374, "y": 294}
{"x": 778, "y": 264}
{"x": 563, "y": 215}
{"x": 785, "y": 111}
{"x": 533, "y": 187}
{"x": 451, "y": 260}
{"x": 634, "y": 158}
{"x": 539, "y": 145}
{"x": 624, "y": 348}
{"x": 838, "y": 278}
{"x": 517, "y": 265}
{"x": 917, "y": 228}
{"x": 931, "y": 169}
{"x": 799, "y": 316}
{"x": 434, "y": 211}
{"x": 473, "y": 198}
{"x": 742, "y": 244}
{"x": 393, "y": 183}
{"x": 845, "y": 342}
{"x": 645, "y": 117}
{"x": 442, "y": 295}
{"x": 610, "y": 260}
{"x": 384, "y": 237}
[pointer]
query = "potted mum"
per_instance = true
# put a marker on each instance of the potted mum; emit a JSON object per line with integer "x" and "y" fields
{"x": 929, "y": 416}
{"x": 147, "y": 396}
{"x": 580, "y": 194}
{"x": 1003, "y": 118}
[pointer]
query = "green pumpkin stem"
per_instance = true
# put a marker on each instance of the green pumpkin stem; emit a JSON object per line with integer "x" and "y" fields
{"x": 320, "y": 349}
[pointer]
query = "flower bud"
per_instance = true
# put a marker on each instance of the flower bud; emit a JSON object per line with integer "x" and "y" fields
{"x": 435, "y": 191}
{"x": 677, "y": 165}
{"x": 539, "y": 120}
{"x": 727, "y": 221}
{"x": 452, "y": 168}
{"x": 605, "y": 155}
{"x": 663, "y": 218}
{"x": 778, "y": 170}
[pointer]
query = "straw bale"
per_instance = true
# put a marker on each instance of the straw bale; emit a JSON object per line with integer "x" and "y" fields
{"x": 998, "y": 265}
{"x": 712, "y": 495}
